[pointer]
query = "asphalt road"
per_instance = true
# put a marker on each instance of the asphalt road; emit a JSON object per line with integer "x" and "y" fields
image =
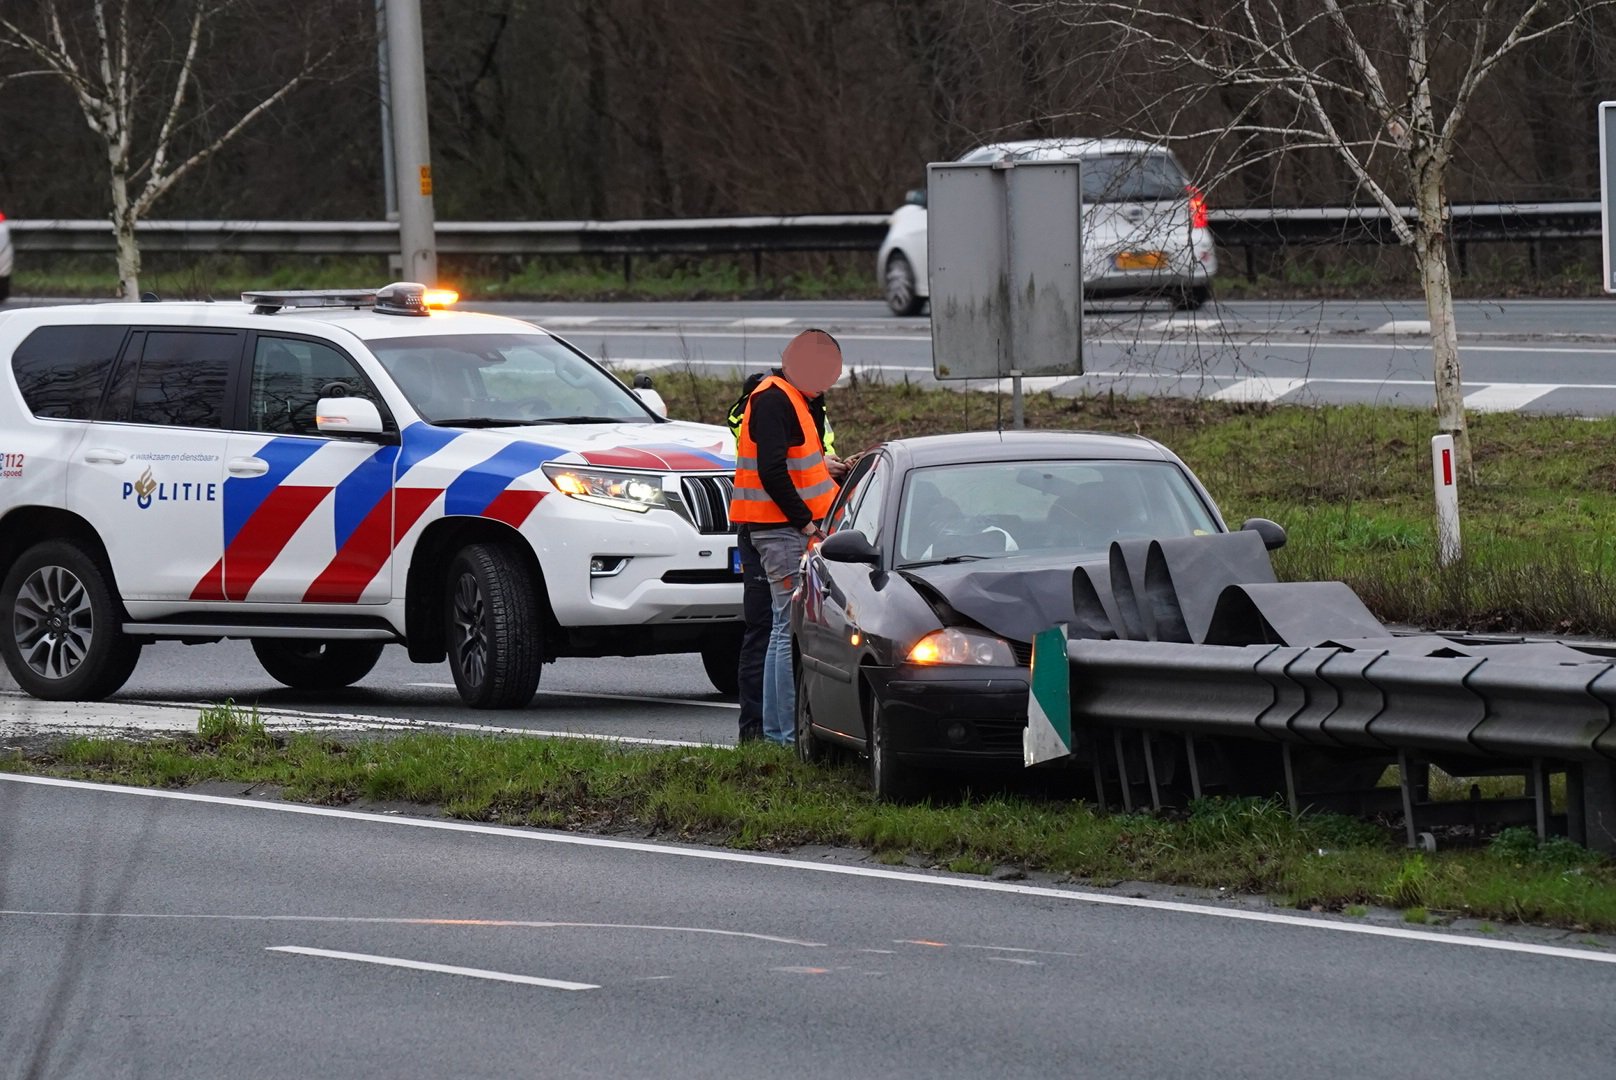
{"x": 652, "y": 698}
{"x": 146, "y": 936}
{"x": 1540, "y": 356}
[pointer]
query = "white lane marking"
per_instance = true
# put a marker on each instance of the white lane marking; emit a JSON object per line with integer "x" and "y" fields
{"x": 1404, "y": 327}
{"x": 1261, "y": 388}
{"x": 1506, "y": 397}
{"x": 1015, "y": 949}
{"x": 443, "y": 969}
{"x": 567, "y": 320}
{"x": 1014, "y": 960}
{"x": 647, "y": 698}
{"x": 762, "y": 321}
{"x": 1188, "y": 322}
{"x": 380, "y": 920}
{"x": 639, "y": 363}
{"x": 127, "y": 715}
{"x": 970, "y": 884}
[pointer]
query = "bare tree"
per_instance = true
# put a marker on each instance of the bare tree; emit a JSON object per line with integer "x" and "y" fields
{"x": 1386, "y": 85}
{"x": 135, "y": 77}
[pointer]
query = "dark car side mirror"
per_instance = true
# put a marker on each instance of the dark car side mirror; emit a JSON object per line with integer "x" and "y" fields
{"x": 1272, "y": 532}
{"x": 915, "y": 197}
{"x": 849, "y": 545}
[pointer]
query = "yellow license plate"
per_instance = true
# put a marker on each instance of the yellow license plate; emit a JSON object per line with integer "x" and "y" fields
{"x": 1141, "y": 260}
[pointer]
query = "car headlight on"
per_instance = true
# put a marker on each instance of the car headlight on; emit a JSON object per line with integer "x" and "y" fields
{"x": 955, "y": 646}
{"x": 625, "y": 491}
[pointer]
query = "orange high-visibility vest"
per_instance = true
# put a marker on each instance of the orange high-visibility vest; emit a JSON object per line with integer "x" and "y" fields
{"x": 750, "y": 504}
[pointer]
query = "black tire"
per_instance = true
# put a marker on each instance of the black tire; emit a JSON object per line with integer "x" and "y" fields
{"x": 901, "y": 288}
{"x": 493, "y": 626}
{"x": 316, "y": 665}
{"x": 890, "y": 779}
{"x": 1193, "y": 298}
{"x": 63, "y": 638}
{"x": 810, "y": 747}
{"x": 721, "y": 659}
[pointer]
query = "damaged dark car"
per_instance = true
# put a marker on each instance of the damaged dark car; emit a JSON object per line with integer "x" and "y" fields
{"x": 943, "y": 557}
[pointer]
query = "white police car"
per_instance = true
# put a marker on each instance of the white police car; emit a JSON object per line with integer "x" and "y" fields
{"x": 328, "y": 472}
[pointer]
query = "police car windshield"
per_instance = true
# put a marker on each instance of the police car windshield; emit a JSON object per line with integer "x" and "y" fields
{"x": 490, "y": 380}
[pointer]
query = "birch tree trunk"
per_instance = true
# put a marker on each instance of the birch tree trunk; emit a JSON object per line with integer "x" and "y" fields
{"x": 1431, "y": 256}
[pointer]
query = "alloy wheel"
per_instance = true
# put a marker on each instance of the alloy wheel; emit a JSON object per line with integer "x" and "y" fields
{"x": 471, "y": 644}
{"x": 53, "y": 622}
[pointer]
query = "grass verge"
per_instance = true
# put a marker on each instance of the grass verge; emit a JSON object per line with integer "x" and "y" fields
{"x": 760, "y": 797}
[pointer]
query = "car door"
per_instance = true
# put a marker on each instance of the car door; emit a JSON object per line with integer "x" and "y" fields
{"x": 820, "y": 591}
{"x": 843, "y": 591}
{"x": 149, "y": 474}
{"x": 308, "y": 517}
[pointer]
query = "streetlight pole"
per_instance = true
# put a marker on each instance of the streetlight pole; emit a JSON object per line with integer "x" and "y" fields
{"x": 406, "y": 69}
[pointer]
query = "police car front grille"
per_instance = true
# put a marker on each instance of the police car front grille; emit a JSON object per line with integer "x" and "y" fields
{"x": 706, "y": 502}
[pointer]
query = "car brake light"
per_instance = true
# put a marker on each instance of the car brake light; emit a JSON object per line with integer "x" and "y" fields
{"x": 2, "y": 217}
{"x": 1197, "y": 207}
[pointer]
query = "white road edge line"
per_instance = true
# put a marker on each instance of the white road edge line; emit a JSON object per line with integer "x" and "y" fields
{"x": 444, "y": 969}
{"x": 648, "y": 698}
{"x": 1506, "y": 397}
{"x": 748, "y": 858}
{"x": 1260, "y": 388}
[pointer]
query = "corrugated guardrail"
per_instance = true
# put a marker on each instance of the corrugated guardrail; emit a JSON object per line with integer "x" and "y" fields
{"x": 801, "y": 232}
{"x": 1279, "y": 687}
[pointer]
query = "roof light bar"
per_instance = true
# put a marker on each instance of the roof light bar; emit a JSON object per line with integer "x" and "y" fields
{"x": 399, "y": 298}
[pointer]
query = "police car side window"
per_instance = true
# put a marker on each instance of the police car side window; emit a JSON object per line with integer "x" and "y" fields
{"x": 182, "y": 378}
{"x": 60, "y": 369}
{"x": 290, "y": 376}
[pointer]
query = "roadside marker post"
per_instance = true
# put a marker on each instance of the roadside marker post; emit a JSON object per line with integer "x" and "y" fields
{"x": 1445, "y": 480}
{"x": 1048, "y": 735}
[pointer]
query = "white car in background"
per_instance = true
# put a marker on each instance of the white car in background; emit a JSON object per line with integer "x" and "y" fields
{"x": 1144, "y": 225}
{"x": 5, "y": 259}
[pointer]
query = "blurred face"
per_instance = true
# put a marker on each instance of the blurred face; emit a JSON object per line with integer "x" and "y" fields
{"x": 812, "y": 362}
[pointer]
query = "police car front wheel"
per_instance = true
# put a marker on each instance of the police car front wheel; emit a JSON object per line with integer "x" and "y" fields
{"x": 316, "y": 665}
{"x": 493, "y": 626}
{"x": 65, "y": 639}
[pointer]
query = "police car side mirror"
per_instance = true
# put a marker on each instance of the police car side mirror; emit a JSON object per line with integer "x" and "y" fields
{"x": 849, "y": 546}
{"x": 653, "y": 400}
{"x": 347, "y": 416}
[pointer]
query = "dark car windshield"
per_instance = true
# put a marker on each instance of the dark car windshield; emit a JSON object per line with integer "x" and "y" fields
{"x": 996, "y": 509}
{"x": 484, "y": 380}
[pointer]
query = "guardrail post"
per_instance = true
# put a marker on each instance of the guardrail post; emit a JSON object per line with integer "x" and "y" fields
{"x": 628, "y": 269}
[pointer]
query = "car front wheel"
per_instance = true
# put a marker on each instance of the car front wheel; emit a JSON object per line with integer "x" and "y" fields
{"x": 65, "y": 641}
{"x": 903, "y": 293}
{"x": 316, "y": 665}
{"x": 493, "y": 627}
{"x": 891, "y": 780}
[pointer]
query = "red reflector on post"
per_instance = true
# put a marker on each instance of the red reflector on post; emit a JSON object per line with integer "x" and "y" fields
{"x": 1447, "y": 468}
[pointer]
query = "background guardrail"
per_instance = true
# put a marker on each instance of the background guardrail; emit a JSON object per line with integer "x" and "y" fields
{"x": 1251, "y": 230}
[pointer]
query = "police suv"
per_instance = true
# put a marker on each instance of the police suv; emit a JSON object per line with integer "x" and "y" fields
{"x": 328, "y": 472}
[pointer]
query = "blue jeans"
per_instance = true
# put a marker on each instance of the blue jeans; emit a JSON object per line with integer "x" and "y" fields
{"x": 780, "y": 551}
{"x": 757, "y": 607}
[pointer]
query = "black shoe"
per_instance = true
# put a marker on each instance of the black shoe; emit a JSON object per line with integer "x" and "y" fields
{"x": 751, "y": 733}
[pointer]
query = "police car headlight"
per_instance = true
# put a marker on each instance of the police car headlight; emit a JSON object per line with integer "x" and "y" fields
{"x": 626, "y": 491}
{"x": 956, "y": 646}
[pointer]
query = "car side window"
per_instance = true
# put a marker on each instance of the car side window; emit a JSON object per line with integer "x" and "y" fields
{"x": 60, "y": 369}
{"x": 176, "y": 378}
{"x": 848, "y": 496}
{"x": 290, "y": 376}
{"x": 866, "y": 517}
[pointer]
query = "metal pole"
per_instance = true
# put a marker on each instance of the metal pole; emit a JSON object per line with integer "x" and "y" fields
{"x": 1018, "y": 417}
{"x": 412, "y": 151}
{"x": 389, "y": 174}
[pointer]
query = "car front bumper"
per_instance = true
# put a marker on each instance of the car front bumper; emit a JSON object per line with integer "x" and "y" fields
{"x": 954, "y": 717}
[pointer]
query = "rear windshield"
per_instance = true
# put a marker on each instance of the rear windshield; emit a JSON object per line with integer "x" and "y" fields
{"x": 1132, "y": 178}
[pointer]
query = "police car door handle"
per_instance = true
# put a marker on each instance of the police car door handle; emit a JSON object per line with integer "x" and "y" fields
{"x": 248, "y": 466}
{"x": 103, "y": 456}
